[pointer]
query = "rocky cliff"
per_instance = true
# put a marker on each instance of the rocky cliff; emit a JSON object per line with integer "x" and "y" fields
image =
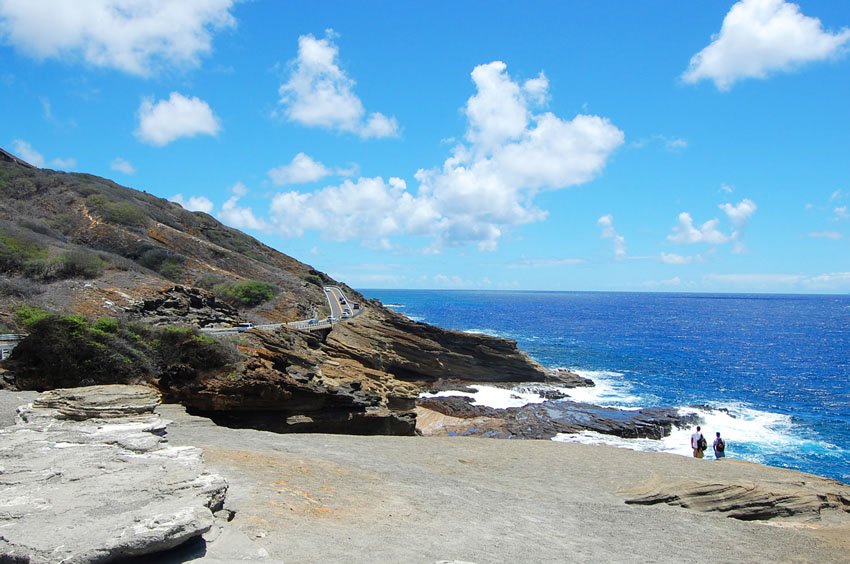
{"x": 76, "y": 243}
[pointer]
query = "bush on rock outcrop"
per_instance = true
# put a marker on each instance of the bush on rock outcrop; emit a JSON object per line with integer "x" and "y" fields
{"x": 70, "y": 351}
{"x": 249, "y": 293}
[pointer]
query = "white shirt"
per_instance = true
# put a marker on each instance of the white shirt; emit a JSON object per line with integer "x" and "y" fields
{"x": 695, "y": 438}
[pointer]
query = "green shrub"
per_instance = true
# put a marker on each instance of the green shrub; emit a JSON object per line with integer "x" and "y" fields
{"x": 124, "y": 213}
{"x": 79, "y": 264}
{"x": 183, "y": 345}
{"x": 163, "y": 261}
{"x": 16, "y": 250}
{"x": 106, "y": 325}
{"x": 245, "y": 294}
{"x": 70, "y": 351}
{"x": 173, "y": 269}
{"x": 313, "y": 279}
{"x": 29, "y": 315}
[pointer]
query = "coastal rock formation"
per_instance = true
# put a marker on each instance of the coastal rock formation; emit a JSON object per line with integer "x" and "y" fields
{"x": 87, "y": 476}
{"x": 287, "y": 382}
{"x": 361, "y": 377}
{"x": 545, "y": 420}
{"x": 189, "y": 306}
{"x": 388, "y": 341}
{"x": 806, "y": 499}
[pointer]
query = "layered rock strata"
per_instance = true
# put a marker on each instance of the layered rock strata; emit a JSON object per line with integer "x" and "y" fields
{"x": 412, "y": 351}
{"x": 806, "y": 499}
{"x": 361, "y": 377}
{"x": 86, "y": 475}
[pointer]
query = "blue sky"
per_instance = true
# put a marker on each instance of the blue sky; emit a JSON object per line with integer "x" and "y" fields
{"x": 638, "y": 146}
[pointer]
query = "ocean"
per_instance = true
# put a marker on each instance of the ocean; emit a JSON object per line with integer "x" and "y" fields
{"x": 770, "y": 372}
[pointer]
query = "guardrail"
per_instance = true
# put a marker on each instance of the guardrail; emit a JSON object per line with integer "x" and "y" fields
{"x": 9, "y": 341}
{"x": 305, "y": 325}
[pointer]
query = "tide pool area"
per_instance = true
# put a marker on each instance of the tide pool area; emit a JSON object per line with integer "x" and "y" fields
{"x": 769, "y": 372}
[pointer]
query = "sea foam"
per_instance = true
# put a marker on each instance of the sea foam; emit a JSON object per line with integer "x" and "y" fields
{"x": 492, "y": 396}
{"x": 610, "y": 389}
{"x": 749, "y": 434}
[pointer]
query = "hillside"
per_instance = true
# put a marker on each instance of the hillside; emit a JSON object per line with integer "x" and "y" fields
{"x": 81, "y": 244}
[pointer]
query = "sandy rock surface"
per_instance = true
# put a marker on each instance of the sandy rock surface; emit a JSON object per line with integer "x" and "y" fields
{"x": 331, "y": 498}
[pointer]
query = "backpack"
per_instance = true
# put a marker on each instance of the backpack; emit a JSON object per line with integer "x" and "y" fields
{"x": 702, "y": 444}
{"x": 721, "y": 446}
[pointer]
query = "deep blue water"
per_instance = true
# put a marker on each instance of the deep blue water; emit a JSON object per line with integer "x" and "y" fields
{"x": 778, "y": 363}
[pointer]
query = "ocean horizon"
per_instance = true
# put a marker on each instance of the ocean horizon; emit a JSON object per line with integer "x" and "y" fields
{"x": 768, "y": 371}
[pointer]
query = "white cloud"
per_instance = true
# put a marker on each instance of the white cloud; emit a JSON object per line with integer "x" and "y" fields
{"x": 454, "y": 281}
{"x": 685, "y": 232}
{"x": 369, "y": 209}
{"x": 829, "y": 281}
{"x": 301, "y": 170}
{"x": 757, "y": 280}
{"x": 137, "y": 37}
{"x": 825, "y": 235}
{"x": 378, "y": 125}
{"x": 668, "y": 283}
{"x": 67, "y": 163}
{"x": 826, "y": 282}
{"x": 763, "y": 36}
{"x": 841, "y": 213}
{"x": 194, "y": 203}
{"x": 726, "y": 188}
{"x": 608, "y": 232}
{"x": 489, "y": 183}
{"x": 537, "y": 89}
{"x": 673, "y": 258}
{"x": 122, "y": 165}
{"x": 545, "y": 263}
{"x": 165, "y": 121}
{"x": 319, "y": 93}
{"x": 670, "y": 144}
{"x": 674, "y": 145}
{"x": 486, "y": 186}
{"x": 739, "y": 213}
{"x": 26, "y": 151}
{"x": 239, "y": 216}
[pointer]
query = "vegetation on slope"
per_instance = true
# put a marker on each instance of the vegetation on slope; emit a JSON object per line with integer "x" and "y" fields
{"x": 69, "y": 350}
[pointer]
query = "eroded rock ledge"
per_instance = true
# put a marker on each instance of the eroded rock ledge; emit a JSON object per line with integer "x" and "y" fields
{"x": 806, "y": 499}
{"x": 86, "y": 475}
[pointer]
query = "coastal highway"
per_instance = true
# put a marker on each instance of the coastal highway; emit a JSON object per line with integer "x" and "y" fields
{"x": 338, "y": 303}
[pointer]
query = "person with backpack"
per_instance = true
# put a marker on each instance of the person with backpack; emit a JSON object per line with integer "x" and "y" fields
{"x": 719, "y": 447}
{"x": 698, "y": 443}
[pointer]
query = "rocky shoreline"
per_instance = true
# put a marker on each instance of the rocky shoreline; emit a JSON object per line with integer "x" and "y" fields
{"x": 99, "y": 474}
{"x": 545, "y": 420}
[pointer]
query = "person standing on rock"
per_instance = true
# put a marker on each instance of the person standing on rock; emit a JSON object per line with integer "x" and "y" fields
{"x": 719, "y": 447}
{"x": 698, "y": 443}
